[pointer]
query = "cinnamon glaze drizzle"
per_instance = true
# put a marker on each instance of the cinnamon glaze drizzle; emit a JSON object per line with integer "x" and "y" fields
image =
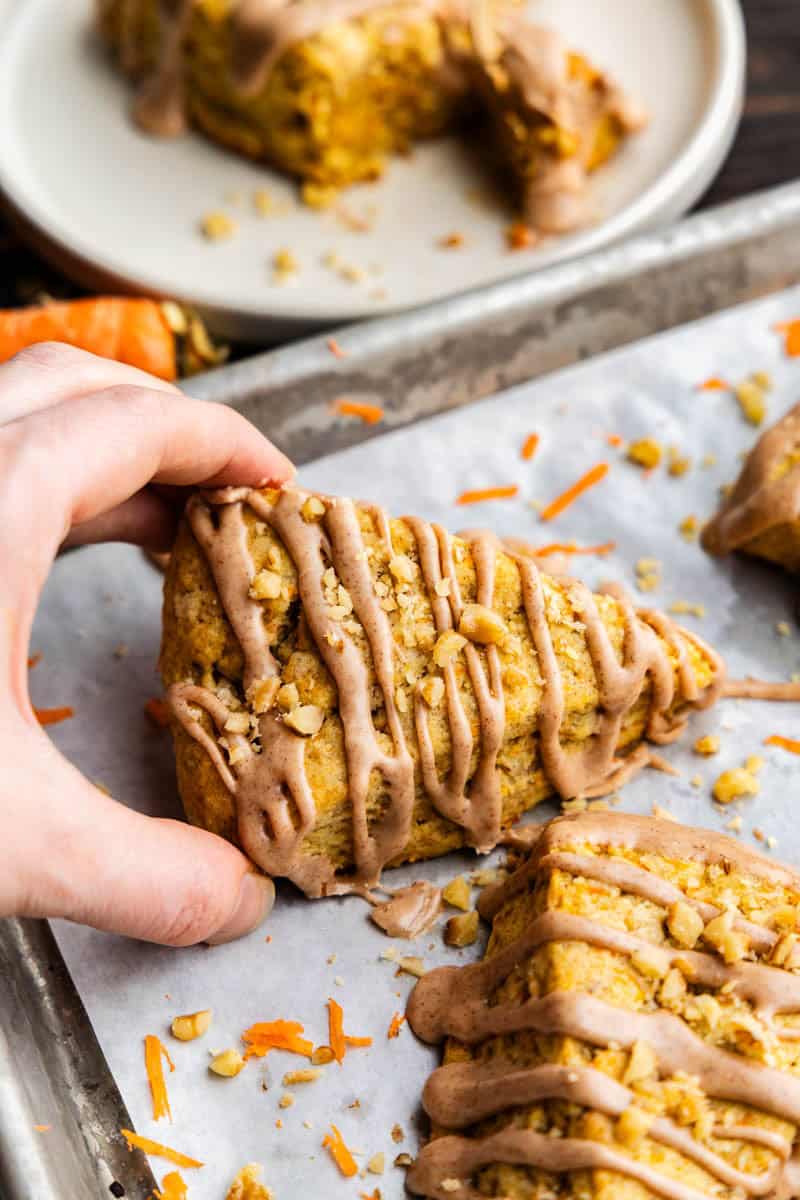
{"x": 274, "y": 802}
{"x": 455, "y": 1002}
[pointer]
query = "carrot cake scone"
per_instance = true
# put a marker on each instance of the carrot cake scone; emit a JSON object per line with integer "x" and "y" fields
{"x": 633, "y": 1030}
{"x": 761, "y": 515}
{"x": 325, "y": 90}
{"x": 351, "y": 691}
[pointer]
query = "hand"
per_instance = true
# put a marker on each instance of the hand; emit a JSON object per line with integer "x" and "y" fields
{"x": 90, "y": 451}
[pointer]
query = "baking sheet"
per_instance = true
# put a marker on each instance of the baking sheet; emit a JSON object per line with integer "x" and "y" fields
{"x": 103, "y": 598}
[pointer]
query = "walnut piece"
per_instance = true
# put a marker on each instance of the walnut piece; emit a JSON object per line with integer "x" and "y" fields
{"x": 192, "y": 1025}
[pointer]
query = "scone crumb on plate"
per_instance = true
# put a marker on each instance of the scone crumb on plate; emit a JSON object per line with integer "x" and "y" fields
{"x": 735, "y": 784}
{"x": 191, "y": 1025}
{"x": 783, "y": 628}
{"x": 411, "y": 964}
{"x": 677, "y": 463}
{"x": 689, "y": 528}
{"x": 284, "y": 265}
{"x": 377, "y": 1164}
{"x": 452, "y": 241}
{"x": 462, "y": 930}
{"x": 247, "y": 1185}
{"x": 397, "y": 1133}
{"x": 752, "y": 397}
{"x": 520, "y": 236}
{"x": 286, "y": 1100}
{"x": 217, "y": 226}
{"x": 708, "y": 744}
{"x": 735, "y": 824}
{"x": 305, "y": 1075}
{"x": 687, "y": 608}
{"x": 227, "y": 1063}
{"x": 457, "y": 893}
{"x": 645, "y": 452}
{"x": 403, "y": 1160}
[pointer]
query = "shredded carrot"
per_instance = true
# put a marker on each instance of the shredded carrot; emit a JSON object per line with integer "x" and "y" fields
{"x": 53, "y": 716}
{"x": 530, "y": 446}
{"x": 173, "y": 1187}
{"x": 785, "y": 743}
{"x": 42, "y": 1128}
{"x": 154, "y": 1051}
{"x": 138, "y": 1142}
{"x": 335, "y": 349}
{"x": 791, "y": 336}
{"x": 336, "y": 1029}
{"x": 357, "y": 1042}
{"x": 376, "y": 1195}
{"x": 566, "y": 498}
{"x": 339, "y": 1153}
{"x": 276, "y": 1035}
{"x": 34, "y": 660}
{"x": 614, "y": 439}
{"x": 714, "y": 384}
{"x": 157, "y": 710}
{"x": 571, "y": 548}
{"x": 395, "y": 1025}
{"x": 370, "y": 414}
{"x": 128, "y": 330}
{"x": 478, "y": 495}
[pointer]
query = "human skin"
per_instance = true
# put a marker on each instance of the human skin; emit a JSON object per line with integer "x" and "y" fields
{"x": 92, "y": 451}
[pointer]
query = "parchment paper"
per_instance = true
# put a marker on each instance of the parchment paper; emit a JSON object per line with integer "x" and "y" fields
{"x": 101, "y": 598}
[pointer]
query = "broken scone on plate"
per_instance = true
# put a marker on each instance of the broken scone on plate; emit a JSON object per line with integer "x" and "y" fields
{"x": 351, "y": 691}
{"x": 633, "y": 1030}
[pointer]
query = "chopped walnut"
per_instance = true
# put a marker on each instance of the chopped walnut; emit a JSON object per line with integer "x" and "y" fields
{"x": 397, "y": 1136}
{"x": 306, "y": 719}
{"x": 266, "y": 585}
{"x": 632, "y": 1126}
{"x": 646, "y": 452}
{"x": 734, "y": 784}
{"x": 684, "y": 924}
{"x": 443, "y": 587}
{"x": 191, "y": 1026}
{"x": 238, "y": 722}
{"x": 673, "y": 989}
{"x": 462, "y": 930}
{"x": 227, "y": 1063}
{"x": 649, "y": 962}
{"x": 482, "y": 625}
{"x": 642, "y": 1063}
{"x": 752, "y": 400}
{"x": 246, "y": 1185}
{"x": 448, "y": 644}
{"x": 377, "y": 1164}
{"x": 432, "y": 690}
{"x": 261, "y": 694}
{"x": 288, "y": 697}
{"x": 731, "y": 943}
{"x": 411, "y": 964}
{"x": 403, "y": 1160}
{"x": 313, "y": 508}
{"x": 402, "y": 567}
{"x": 457, "y": 893}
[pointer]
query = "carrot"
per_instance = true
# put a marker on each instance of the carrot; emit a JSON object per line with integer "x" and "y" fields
{"x": 54, "y": 716}
{"x": 395, "y": 1025}
{"x": 34, "y": 660}
{"x": 572, "y": 493}
{"x": 157, "y": 710}
{"x": 340, "y": 1153}
{"x": 791, "y": 338}
{"x": 614, "y": 439}
{"x": 130, "y": 331}
{"x": 529, "y": 446}
{"x": 370, "y": 414}
{"x": 43, "y": 1128}
{"x": 157, "y": 1150}
{"x": 785, "y": 743}
{"x": 335, "y": 349}
{"x": 571, "y": 548}
{"x": 173, "y": 1187}
{"x": 276, "y": 1035}
{"x": 478, "y": 495}
{"x": 376, "y": 1195}
{"x": 154, "y": 1050}
{"x": 336, "y": 1030}
{"x": 357, "y": 1042}
{"x": 714, "y": 384}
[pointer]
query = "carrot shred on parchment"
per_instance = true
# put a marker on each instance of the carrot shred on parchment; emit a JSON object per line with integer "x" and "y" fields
{"x": 53, "y": 716}
{"x": 43, "y": 1128}
{"x": 335, "y": 349}
{"x": 154, "y": 1052}
{"x": 357, "y": 1042}
{"x": 791, "y": 336}
{"x": 557, "y": 506}
{"x": 785, "y": 743}
{"x": 529, "y": 446}
{"x": 375, "y": 1195}
{"x": 336, "y": 1030}
{"x": 276, "y": 1035}
{"x": 395, "y": 1025}
{"x": 173, "y": 1187}
{"x": 714, "y": 384}
{"x": 157, "y": 1150}
{"x": 370, "y": 414}
{"x": 157, "y": 711}
{"x": 34, "y": 660}
{"x": 571, "y": 548}
{"x": 340, "y": 1153}
{"x": 128, "y": 330}
{"x": 478, "y": 495}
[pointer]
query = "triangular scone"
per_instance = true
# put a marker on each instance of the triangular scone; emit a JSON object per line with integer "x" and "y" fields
{"x": 632, "y": 1031}
{"x": 761, "y": 515}
{"x": 352, "y": 691}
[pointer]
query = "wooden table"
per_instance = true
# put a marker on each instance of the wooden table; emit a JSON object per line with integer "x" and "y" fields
{"x": 766, "y": 151}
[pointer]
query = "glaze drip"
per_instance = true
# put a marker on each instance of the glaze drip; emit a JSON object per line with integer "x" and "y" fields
{"x": 265, "y": 770}
{"x": 459, "y": 1003}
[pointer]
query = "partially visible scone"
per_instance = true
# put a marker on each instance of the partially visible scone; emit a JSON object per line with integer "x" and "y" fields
{"x": 761, "y": 516}
{"x": 352, "y": 691}
{"x": 632, "y": 1031}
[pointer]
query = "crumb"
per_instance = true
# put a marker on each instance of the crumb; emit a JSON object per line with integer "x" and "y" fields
{"x": 462, "y": 930}
{"x": 322, "y": 1055}
{"x": 707, "y": 745}
{"x": 752, "y": 398}
{"x": 307, "y": 1124}
{"x": 376, "y": 1164}
{"x": 734, "y": 785}
{"x": 192, "y": 1025}
{"x": 122, "y": 650}
{"x": 397, "y": 1133}
{"x": 663, "y": 813}
{"x": 783, "y": 628}
{"x": 227, "y": 1063}
{"x": 403, "y": 1160}
{"x": 284, "y": 265}
{"x": 696, "y": 781}
{"x": 645, "y": 452}
{"x": 279, "y": 1124}
{"x": 304, "y": 1075}
{"x": 677, "y": 464}
{"x": 330, "y": 960}
{"x": 708, "y": 460}
{"x": 735, "y": 824}
{"x": 487, "y": 876}
{"x": 520, "y": 236}
{"x": 351, "y": 273}
{"x": 758, "y": 834}
{"x": 217, "y": 226}
{"x": 689, "y": 528}
{"x": 771, "y": 842}
{"x": 286, "y": 1100}
{"x": 457, "y": 893}
{"x": 684, "y": 607}
{"x": 317, "y": 195}
{"x": 754, "y": 764}
{"x": 337, "y": 979}
{"x": 452, "y": 241}
{"x": 450, "y": 1185}
{"x": 411, "y": 964}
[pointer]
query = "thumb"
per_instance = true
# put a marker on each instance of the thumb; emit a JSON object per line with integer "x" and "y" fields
{"x": 101, "y": 864}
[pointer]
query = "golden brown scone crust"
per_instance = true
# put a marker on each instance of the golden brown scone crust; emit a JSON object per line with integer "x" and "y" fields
{"x": 199, "y": 646}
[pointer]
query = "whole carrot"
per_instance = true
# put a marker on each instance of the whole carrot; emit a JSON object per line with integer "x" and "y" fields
{"x": 131, "y": 331}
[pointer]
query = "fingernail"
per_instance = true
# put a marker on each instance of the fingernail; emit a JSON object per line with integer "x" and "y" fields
{"x": 256, "y": 898}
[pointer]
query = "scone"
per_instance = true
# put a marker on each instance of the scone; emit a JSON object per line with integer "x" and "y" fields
{"x": 326, "y": 93}
{"x": 761, "y": 516}
{"x": 351, "y": 691}
{"x": 633, "y": 1030}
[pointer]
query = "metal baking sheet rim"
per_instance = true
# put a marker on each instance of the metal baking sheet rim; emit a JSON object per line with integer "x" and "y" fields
{"x": 467, "y": 348}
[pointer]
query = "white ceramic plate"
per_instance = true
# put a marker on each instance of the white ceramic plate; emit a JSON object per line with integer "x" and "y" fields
{"x": 126, "y": 207}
